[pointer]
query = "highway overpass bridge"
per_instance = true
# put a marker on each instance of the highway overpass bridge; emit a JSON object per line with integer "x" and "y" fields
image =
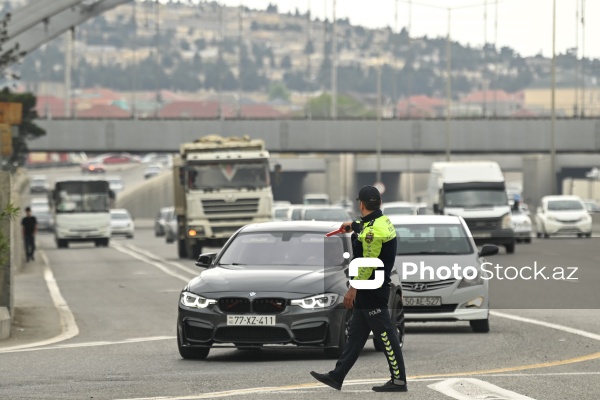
{"x": 337, "y": 156}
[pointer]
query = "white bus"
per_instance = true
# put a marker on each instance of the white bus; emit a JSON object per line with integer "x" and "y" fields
{"x": 81, "y": 211}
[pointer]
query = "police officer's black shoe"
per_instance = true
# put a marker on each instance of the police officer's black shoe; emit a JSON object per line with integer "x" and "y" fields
{"x": 327, "y": 380}
{"x": 390, "y": 386}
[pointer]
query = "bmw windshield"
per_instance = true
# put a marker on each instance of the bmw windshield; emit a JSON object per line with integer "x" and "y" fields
{"x": 309, "y": 250}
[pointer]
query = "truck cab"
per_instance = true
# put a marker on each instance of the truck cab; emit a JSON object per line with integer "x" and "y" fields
{"x": 476, "y": 191}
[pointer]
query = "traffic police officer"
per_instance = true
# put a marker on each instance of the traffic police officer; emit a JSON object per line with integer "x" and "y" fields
{"x": 374, "y": 237}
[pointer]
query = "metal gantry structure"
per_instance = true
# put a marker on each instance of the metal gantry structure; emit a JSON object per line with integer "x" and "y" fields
{"x": 41, "y": 21}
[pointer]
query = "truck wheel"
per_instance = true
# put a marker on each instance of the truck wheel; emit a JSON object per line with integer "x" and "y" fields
{"x": 510, "y": 248}
{"x": 182, "y": 249}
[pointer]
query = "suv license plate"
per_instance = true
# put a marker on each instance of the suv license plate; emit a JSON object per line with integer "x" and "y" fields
{"x": 250, "y": 320}
{"x": 422, "y": 301}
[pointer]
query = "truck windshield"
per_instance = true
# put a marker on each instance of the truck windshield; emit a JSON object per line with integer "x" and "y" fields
{"x": 475, "y": 198}
{"x": 74, "y": 197}
{"x": 248, "y": 174}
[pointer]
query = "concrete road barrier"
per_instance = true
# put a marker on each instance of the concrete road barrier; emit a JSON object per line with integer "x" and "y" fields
{"x": 596, "y": 223}
{"x": 145, "y": 199}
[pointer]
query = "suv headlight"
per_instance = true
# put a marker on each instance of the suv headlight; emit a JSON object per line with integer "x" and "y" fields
{"x": 317, "y": 301}
{"x": 194, "y": 301}
{"x": 506, "y": 221}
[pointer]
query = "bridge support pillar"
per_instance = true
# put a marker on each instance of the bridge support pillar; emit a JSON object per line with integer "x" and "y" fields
{"x": 537, "y": 178}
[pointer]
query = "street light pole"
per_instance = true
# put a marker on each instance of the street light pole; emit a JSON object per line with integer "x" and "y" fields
{"x": 553, "y": 102}
{"x": 448, "y": 85}
{"x": 378, "y": 175}
{"x": 334, "y": 65}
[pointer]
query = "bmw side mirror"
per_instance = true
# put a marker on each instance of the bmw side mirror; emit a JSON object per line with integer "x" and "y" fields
{"x": 206, "y": 260}
{"x": 488, "y": 250}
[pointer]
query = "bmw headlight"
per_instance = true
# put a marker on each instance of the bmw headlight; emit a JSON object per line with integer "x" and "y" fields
{"x": 194, "y": 301}
{"x": 506, "y": 221}
{"x": 318, "y": 301}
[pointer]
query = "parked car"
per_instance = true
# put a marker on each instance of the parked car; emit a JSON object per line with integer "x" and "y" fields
{"x": 161, "y": 220}
{"x": 318, "y": 213}
{"x": 439, "y": 241}
{"x": 153, "y": 170}
{"x": 40, "y": 209}
{"x": 398, "y": 208}
{"x": 93, "y": 167}
{"x": 562, "y": 214}
{"x": 272, "y": 284}
{"x": 121, "y": 223}
{"x": 521, "y": 225}
{"x": 39, "y": 184}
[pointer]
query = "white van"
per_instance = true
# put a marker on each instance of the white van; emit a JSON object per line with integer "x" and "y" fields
{"x": 476, "y": 191}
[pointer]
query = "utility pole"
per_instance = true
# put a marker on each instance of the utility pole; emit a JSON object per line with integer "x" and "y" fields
{"x": 577, "y": 82}
{"x": 410, "y": 54}
{"x": 334, "y": 64}
{"x": 135, "y": 61}
{"x": 240, "y": 45}
{"x": 485, "y": 18}
{"x": 379, "y": 111}
{"x": 69, "y": 39}
{"x": 583, "y": 83}
{"x": 220, "y": 59}
{"x": 448, "y": 85}
{"x": 553, "y": 102}
{"x": 497, "y": 60}
{"x": 157, "y": 58}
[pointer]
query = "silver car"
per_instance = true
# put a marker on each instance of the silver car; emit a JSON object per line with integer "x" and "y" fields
{"x": 121, "y": 223}
{"x": 427, "y": 246}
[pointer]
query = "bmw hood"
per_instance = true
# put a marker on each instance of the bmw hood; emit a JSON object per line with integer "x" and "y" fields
{"x": 413, "y": 268}
{"x": 224, "y": 280}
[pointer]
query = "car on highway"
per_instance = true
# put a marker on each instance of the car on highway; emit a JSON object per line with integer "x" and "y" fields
{"x": 171, "y": 227}
{"x": 398, "y": 208}
{"x": 522, "y": 225}
{"x": 273, "y": 283}
{"x": 121, "y": 223}
{"x": 40, "y": 209}
{"x": 115, "y": 183}
{"x": 592, "y": 206}
{"x": 161, "y": 220}
{"x": 93, "y": 167}
{"x": 316, "y": 199}
{"x": 562, "y": 214}
{"x": 317, "y": 213}
{"x": 153, "y": 170}
{"x": 280, "y": 213}
{"x": 39, "y": 184}
{"x": 118, "y": 158}
{"x": 439, "y": 241}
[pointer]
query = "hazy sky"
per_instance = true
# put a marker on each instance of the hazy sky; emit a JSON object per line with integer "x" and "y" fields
{"x": 525, "y": 25}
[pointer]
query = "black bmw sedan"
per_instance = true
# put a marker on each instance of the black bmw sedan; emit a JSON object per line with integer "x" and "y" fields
{"x": 274, "y": 283}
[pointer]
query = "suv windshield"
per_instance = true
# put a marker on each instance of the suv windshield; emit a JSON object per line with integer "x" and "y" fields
{"x": 432, "y": 239}
{"x": 564, "y": 205}
{"x": 297, "y": 249}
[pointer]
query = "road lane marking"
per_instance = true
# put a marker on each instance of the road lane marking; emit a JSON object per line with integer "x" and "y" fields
{"x": 311, "y": 387}
{"x": 95, "y": 344}
{"x": 473, "y": 389}
{"x": 68, "y": 325}
{"x": 145, "y": 259}
{"x": 157, "y": 258}
{"x": 563, "y": 328}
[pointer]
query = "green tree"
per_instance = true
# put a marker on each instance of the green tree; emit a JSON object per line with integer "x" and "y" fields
{"x": 28, "y": 129}
{"x": 278, "y": 91}
{"x": 347, "y": 107}
{"x": 11, "y": 55}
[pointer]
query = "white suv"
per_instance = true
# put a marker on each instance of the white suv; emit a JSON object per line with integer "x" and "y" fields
{"x": 562, "y": 214}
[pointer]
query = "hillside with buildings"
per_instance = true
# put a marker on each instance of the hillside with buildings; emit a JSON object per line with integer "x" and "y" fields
{"x": 203, "y": 60}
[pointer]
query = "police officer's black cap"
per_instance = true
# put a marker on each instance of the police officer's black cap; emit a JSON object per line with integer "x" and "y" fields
{"x": 369, "y": 194}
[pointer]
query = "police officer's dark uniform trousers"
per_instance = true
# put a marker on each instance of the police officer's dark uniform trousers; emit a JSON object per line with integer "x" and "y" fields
{"x": 371, "y": 306}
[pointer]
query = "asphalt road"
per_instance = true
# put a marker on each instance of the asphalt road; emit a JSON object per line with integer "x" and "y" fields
{"x": 120, "y": 342}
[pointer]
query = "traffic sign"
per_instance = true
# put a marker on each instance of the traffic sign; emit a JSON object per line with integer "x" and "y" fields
{"x": 380, "y": 186}
{"x": 11, "y": 113}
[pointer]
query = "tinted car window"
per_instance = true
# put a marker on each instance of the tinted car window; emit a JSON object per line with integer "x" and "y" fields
{"x": 438, "y": 239}
{"x": 309, "y": 249}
